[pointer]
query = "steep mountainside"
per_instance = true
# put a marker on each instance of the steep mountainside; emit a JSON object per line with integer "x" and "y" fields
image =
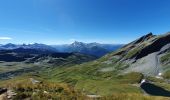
{"x": 148, "y": 55}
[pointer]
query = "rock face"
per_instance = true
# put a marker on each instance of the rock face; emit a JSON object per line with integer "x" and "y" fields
{"x": 155, "y": 46}
{"x": 7, "y": 94}
{"x": 143, "y": 38}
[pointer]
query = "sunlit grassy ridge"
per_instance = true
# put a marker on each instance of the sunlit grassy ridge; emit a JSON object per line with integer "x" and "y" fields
{"x": 165, "y": 58}
{"x": 61, "y": 91}
{"x": 41, "y": 91}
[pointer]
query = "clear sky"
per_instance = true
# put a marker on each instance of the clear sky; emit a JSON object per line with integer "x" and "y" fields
{"x": 64, "y": 21}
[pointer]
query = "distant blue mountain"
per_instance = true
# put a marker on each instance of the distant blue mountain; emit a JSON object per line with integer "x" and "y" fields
{"x": 35, "y": 46}
{"x": 95, "y": 49}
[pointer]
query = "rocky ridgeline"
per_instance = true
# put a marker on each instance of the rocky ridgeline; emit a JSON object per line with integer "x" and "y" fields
{"x": 144, "y": 54}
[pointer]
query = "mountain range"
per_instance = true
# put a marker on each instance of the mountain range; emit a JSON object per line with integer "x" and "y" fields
{"x": 126, "y": 71}
{"x": 94, "y": 49}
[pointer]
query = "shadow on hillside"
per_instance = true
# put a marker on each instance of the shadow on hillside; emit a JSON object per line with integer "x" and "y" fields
{"x": 155, "y": 90}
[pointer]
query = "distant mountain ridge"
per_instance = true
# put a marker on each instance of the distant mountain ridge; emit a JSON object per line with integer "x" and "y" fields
{"x": 94, "y": 49}
{"x": 36, "y": 46}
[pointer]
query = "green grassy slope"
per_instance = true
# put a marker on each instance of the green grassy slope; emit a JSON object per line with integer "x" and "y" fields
{"x": 88, "y": 77}
{"x": 110, "y": 90}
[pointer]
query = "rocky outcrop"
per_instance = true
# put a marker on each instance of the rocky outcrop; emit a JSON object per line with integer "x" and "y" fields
{"x": 139, "y": 40}
{"x": 154, "y": 47}
{"x": 3, "y": 90}
{"x": 143, "y": 38}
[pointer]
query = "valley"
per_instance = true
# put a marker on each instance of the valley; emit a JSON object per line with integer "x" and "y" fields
{"x": 83, "y": 76}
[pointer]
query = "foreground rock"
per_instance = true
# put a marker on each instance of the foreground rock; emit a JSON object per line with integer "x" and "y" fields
{"x": 7, "y": 94}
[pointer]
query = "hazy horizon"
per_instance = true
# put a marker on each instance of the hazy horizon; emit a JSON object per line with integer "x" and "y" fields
{"x": 61, "y": 43}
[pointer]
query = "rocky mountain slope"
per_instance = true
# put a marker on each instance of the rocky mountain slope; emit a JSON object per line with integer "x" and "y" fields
{"x": 121, "y": 71}
{"x": 147, "y": 55}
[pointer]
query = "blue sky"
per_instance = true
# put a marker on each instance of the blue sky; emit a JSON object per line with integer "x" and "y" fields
{"x": 64, "y": 21}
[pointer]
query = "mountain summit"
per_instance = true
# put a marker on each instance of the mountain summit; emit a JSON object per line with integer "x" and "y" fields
{"x": 95, "y": 49}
